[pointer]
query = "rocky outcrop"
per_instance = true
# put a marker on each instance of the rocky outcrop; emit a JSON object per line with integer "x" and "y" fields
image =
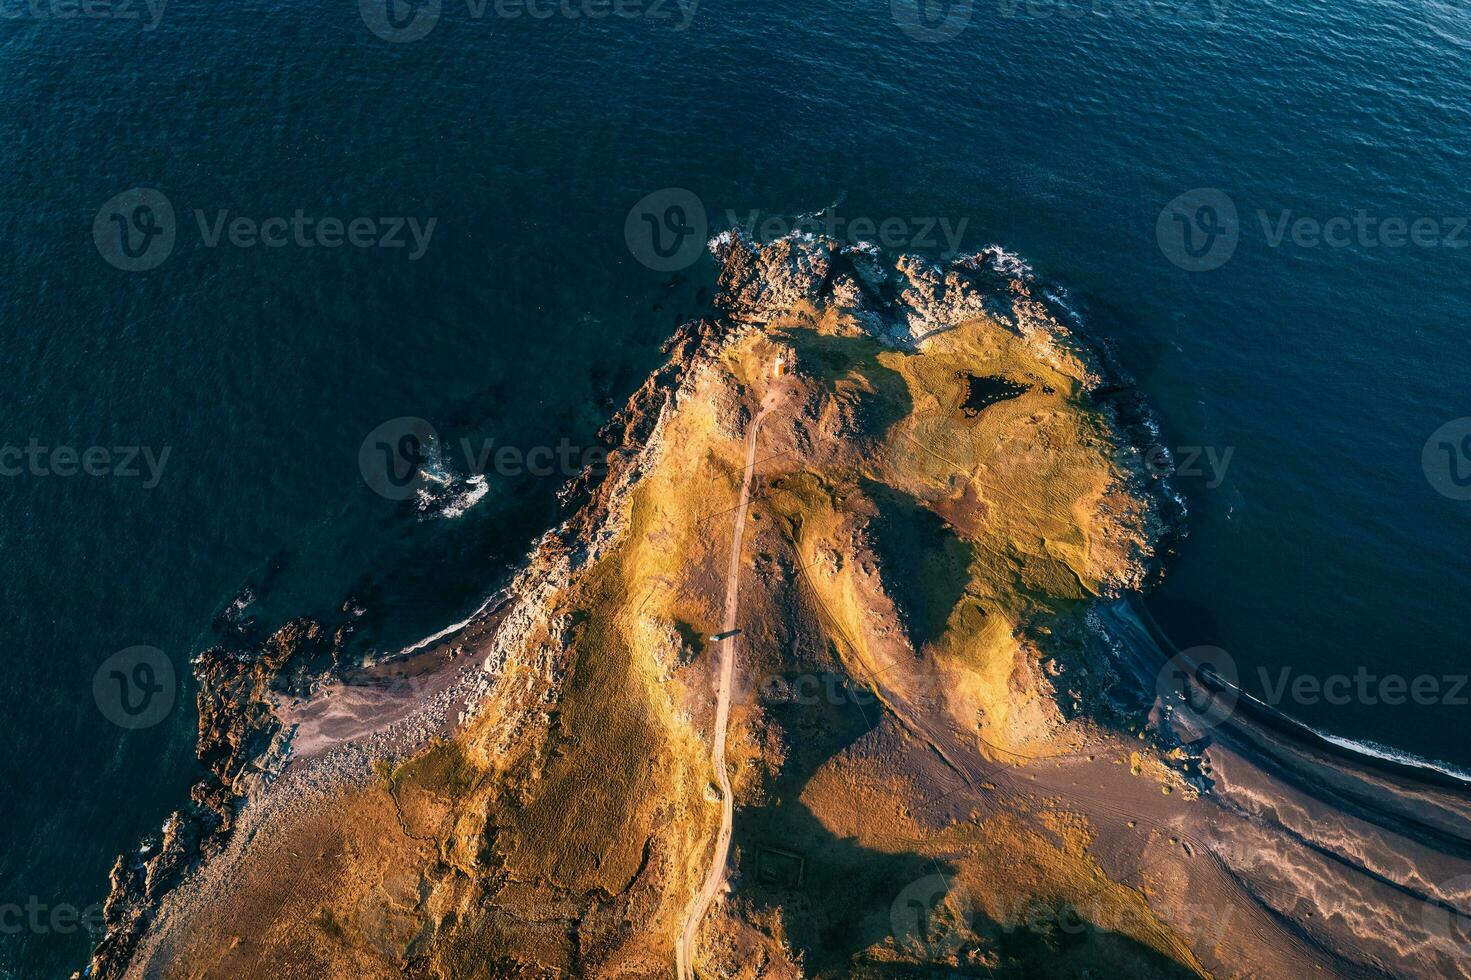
{"x": 630, "y": 432}
{"x": 242, "y": 743}
{"x": 900, "y": 302}
{"x": 241, "y": 740}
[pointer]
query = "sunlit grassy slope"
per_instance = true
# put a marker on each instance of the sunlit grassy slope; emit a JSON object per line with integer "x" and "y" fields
{"x": 919, "y": 548}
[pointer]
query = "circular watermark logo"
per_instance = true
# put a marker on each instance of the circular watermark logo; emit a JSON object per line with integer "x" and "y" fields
{"x": 1199, "y": 230}
{"x": 135, "y": 230}
{"x": 1199, "y": 686}
{"x": 931, "y": 916}
{"x": 1451, "y": 921}
{"x": 399, "y": 21}
{"x": 667, "y": 230}
{"x": 135, "y": 688}
{"x": 1446, "y": 459}
{"x": 931, "y": 21}
{"x": 392, "y": 457}
{"x": 387, "y": 916}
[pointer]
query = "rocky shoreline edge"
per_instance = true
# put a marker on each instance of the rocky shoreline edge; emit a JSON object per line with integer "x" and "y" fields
{"x": 242, "y": 681}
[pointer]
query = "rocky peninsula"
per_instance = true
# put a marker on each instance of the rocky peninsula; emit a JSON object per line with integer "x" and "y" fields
{"x": 947, "y": 751}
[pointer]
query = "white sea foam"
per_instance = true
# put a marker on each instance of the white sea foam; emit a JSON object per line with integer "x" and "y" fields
{"x": 1372, "y": 750}
{"x": 1060, "y": 296}
{"x": 443, "y": 493}
{"x": 814, "y": 215}
{"x": 244, "y": 599}
{"x": 1376, "y": 751}
{"x": 475, "y": 491}
{"x": 1008, "y": 262}
{"x": 452, "y": 628}
{"x": 454, "y": 503}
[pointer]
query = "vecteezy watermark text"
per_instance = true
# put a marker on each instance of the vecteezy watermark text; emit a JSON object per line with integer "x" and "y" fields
{"x": 892, "y": 232}
{"x": 1206, "y": 463}
{"x": 804, "y": 690}
{"x": 1364, "y": 686}
{"x": 1201, "y": 686}
{"x": 66, "y": 10}
{"x": 43, "y": 918}
{"x": 124, "y": 462}
{"x": 1097, "y": 911}
{"x": 401, "y": 21}
{"x": 936, "y": 917}
{"x": 1201, "y": 229}
{"x": 935, "y": 21}
{"x": 1363, "y": 229}
{"x": 306, "y": 231}
{"x": 137, "y": 230}
{"x": 404, "y": 455}
{"x": 667, "y": 230}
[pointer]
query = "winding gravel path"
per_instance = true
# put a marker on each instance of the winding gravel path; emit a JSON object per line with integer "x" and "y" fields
{"x": 716, "y": 876}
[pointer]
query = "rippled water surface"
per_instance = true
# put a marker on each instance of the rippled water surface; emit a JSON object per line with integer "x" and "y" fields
{"x": 1309, "y": 373}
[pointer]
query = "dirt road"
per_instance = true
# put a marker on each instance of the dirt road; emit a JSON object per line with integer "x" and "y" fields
{"x": 716, "y": 876}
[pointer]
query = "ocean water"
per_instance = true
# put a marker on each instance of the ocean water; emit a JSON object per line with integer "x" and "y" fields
{"x": 1299, "y": 377}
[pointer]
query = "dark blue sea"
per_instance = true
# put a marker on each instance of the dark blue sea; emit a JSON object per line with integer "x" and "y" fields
{"x": 212, "y": 293}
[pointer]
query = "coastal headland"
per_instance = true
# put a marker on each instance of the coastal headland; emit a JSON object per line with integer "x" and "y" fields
{"x": 912, "y": 504}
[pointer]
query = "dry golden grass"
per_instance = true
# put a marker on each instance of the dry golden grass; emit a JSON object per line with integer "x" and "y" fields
{"x": 564, "y": 831}
{"x": 997, "y": 511}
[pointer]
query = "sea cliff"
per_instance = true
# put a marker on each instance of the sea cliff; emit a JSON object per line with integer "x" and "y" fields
{"x": 945, "y": 747}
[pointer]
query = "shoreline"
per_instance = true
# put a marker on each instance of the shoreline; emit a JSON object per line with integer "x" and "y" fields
{"x": 1406, "y": 765}
{"x": 148, "y": 884}
{"x": 345, "y": 745}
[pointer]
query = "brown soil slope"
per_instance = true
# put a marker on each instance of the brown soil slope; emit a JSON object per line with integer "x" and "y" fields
{"x": 933, "y": 772}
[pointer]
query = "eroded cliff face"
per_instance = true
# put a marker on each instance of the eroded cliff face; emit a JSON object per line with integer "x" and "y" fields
{"x": 944, "y": 487}
{"x": 241, "y": 743}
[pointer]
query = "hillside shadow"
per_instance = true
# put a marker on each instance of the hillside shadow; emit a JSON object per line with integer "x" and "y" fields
{"x": 834, "y": 359}
{"x": 839, "y": 896}
{"x": 926, "y": 564}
